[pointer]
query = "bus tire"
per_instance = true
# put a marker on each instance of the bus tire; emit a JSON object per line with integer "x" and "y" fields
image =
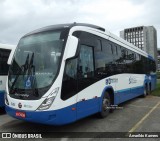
{"x": 145, "y": 90}
{"x": 105, "y": 106}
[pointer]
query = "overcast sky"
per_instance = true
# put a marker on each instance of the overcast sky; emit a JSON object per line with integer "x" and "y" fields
{"x": 18, "y": 17}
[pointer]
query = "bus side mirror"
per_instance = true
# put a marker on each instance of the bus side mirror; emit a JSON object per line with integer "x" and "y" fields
{"x": 71, "y": 47}
{"x": 11, "y": 56}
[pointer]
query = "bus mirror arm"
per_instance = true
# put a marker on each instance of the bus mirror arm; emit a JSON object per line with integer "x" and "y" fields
{"x": 71, "y": 47}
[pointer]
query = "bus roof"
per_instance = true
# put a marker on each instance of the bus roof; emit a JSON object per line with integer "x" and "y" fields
{"x": 60, "y": 26}
{"x": 96, "y": 28}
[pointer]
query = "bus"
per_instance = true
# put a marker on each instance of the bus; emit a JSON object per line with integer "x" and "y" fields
{"x": 4, "y": 55}
{"x": 62, "y": 73}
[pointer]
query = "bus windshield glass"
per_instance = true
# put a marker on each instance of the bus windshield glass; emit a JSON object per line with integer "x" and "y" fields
{"x": 35, "y": 64}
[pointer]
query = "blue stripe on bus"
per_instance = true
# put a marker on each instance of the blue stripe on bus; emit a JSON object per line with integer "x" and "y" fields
{"x": 2, "y": 98}
{"x": 123, "y": 90}
{"x": 127, "y": 94}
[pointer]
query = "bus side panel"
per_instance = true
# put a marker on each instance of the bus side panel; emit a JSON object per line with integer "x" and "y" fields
{"x": 122, "y": 92}
{"x": 129, "y": 86}
{"x": 137, "y": 84}
{"x": 123, "y": 95}
{"x": 87, "y": 107}
{"x": 137, "y": 91}
{"x": 89, "y": 99}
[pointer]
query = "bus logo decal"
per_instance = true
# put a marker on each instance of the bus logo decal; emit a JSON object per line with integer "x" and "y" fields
{"x": 132, "y": 80}
{"x": 19, "y": 105}
{"x": 111, "y": 80}
{"x": 28, "y": 83}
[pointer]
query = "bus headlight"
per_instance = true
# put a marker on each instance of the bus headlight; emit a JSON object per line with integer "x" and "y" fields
{"x": 49, "y": 100}
{"x": 6, "y": 99}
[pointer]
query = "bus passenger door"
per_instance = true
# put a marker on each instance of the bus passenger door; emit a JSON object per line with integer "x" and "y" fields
{"x": 86, "y": 104}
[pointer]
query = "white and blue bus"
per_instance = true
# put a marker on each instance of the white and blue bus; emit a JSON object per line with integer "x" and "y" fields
{"x": 4, "y": 55}
{"x": 62, "y": 73}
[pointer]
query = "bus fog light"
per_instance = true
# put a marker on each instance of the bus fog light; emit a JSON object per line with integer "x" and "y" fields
{"x": 49, "y": 100}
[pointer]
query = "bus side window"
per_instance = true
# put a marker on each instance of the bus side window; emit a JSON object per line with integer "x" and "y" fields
{"x": 98, "y": 46}
{"x": 85, "y": 71}
{"x": 114, "y": 50}
{"x": 85, "y": 62}
{"x": 115, "y": 55}
{"x": 104, "y": 60}
{"x": 129, "y": 60}
{"x": 123, "y": 59}
{"x": 119, "y": 60}
{"x": 69, "y": 83}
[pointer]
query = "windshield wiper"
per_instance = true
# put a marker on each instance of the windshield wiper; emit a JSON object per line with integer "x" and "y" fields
{"x": 22, "y": 69}
{"x": 27, "y": 69}
{"x": 26, "y": 65}
{"x": 31, "y": 73}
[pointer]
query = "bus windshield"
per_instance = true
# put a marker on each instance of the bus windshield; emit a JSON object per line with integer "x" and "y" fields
{"x": 35, "y": 64}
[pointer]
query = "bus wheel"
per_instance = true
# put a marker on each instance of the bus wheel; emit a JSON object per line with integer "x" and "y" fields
{"x": 105, "y": 106}
{"x": 145, "y": 91}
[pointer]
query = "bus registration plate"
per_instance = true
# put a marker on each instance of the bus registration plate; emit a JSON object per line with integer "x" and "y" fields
{"x": 20, "y": 114}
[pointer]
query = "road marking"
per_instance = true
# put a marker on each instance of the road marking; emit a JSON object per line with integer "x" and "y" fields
{"x": 150, "y": 107}
{"x": 141, "y": 121}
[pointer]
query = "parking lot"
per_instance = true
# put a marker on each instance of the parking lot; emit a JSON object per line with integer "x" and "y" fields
{"x": 137, "y": 115}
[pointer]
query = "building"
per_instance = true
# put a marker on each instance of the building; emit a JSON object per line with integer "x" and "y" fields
{"x": 144, "y": 37}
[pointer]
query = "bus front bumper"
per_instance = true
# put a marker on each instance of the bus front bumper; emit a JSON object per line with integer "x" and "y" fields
{"x": 54, "y": 117}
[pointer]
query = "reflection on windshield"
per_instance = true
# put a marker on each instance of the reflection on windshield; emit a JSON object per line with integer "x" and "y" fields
{"x": 36, "y": 61}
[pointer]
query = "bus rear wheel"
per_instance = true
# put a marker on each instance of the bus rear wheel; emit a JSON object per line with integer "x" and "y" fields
{"x": 105, "y": 106}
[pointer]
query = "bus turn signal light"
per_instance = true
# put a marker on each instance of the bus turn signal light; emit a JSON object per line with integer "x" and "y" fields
{"x": 73, "y": 109}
